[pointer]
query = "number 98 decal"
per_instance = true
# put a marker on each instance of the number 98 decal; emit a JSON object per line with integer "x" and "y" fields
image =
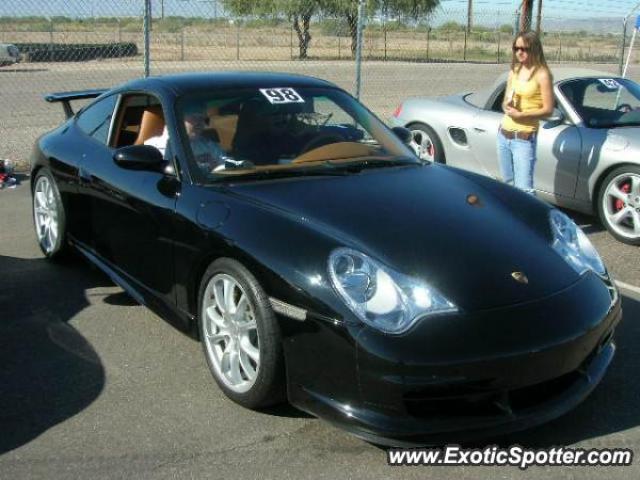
{"x": 281, "y": 95}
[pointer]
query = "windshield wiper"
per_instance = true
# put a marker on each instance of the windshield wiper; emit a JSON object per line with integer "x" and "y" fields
{"x": 321, "y": 171}
{"x": 362, "y": 164}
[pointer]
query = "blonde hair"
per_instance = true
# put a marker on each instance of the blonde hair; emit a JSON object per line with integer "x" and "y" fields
{"x": 536, "y": 55}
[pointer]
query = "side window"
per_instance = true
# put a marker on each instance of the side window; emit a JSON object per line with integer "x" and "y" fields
{"x": 96, "y": 119}
{"x": 497, "y": 103}
{"x": 330, "y": 112}
{"x": 140, "y": 121}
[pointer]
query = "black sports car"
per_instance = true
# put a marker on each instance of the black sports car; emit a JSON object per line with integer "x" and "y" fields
{"x": 320, "y": 261}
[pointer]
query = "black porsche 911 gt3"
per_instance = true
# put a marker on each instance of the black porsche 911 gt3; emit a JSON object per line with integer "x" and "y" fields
{"x": 320, "y": 261}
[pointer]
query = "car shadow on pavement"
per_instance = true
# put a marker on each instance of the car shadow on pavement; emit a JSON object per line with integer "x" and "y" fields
{"x": 48, "y": 371}
{"x": 285, "y": 410}
{"x": 611, "y": 408}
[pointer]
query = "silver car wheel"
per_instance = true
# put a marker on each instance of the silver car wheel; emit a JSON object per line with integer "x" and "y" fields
{"x": 621, "y": 205}
{"x": 422, "y": 144}
{"x": 45, "y": 214}
{"x": 231, "y": 333}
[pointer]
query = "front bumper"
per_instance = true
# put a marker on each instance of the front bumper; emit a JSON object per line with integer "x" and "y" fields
{"x": 424, "y": 399}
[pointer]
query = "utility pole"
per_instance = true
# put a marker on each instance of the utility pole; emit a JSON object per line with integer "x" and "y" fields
{"x": 162, "y": 9}
{"x": 539, "y": 19}
{"x": 525, "y": 15}
{"x": 469, "y": 16}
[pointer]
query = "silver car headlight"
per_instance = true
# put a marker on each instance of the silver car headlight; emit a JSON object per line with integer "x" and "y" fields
{"x": 386, "y": 300}
{"x": 573, "y": 245}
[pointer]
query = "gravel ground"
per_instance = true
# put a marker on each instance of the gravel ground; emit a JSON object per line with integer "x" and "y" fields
{"x": 24, "y": 114}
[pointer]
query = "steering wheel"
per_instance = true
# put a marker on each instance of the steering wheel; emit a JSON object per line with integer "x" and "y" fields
{"x": 624, "y": 108}
{"x": 321, "y": 140}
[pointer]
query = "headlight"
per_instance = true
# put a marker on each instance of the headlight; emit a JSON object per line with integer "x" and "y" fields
{"x": 573, "y": 245}
{"x": 380, "y": 297}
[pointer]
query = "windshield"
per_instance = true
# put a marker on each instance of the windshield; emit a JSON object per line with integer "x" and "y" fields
{"x": 256, "y": 130}
{"x": 604, "y": 102}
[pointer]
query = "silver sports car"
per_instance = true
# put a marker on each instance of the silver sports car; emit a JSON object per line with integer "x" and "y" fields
{"x": 588, "y": 150}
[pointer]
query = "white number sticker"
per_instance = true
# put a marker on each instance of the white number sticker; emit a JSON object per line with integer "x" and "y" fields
{"x": 281, "y": 95}
{"x": 610, "y": 83}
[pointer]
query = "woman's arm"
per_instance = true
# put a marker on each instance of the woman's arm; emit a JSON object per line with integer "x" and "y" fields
{"x": 506, "y": 99}
{"x": 546, "y": 89}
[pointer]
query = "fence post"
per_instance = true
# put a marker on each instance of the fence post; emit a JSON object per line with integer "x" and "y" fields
{"x": 238, "y": 40}
{"x": 464, "y": 52}
{"x": 182, "y": 45}
{"x": 146, "y": 25}
{"x": 339, "y": 52}
{"x": 560, "y": 49}
{"x": 499, "y": 45}
{"x": 623, "y": 46}
{"x": 385, "y": 40}
{"x": 51, "y": 40}
{"x": 428, "y": 40}
{"x": 291, "y": 42}
{"x": 359, "y": 47}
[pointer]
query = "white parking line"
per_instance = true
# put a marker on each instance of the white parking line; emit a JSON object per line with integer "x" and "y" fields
{"x": 626, "y": 286}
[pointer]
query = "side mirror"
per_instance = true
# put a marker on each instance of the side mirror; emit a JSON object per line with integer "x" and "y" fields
{"x": 556, "y": 116}
{"x": 139, "y": 157}
{"x": 404, "y": 134}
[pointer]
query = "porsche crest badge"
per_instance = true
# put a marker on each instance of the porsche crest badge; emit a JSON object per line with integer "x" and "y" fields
{"x": 520, "y": 277}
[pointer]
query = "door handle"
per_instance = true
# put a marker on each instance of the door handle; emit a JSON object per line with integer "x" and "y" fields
{"x": 478, "y": 129}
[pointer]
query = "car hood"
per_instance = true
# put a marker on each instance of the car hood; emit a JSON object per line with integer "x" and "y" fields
{"x": 421, "y": 221}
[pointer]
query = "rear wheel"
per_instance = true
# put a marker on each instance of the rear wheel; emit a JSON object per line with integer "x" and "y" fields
{"x": 240, "y": 335}
{"x": 619, "y": 204}
{"x": 426, "y": 143}
{"x": 49, "y": 216}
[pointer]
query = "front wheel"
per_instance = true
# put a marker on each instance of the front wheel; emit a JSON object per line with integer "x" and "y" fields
{"x": 240, "y": 335}
{"x": 49, "y": 216}
{"x": 426, "y": 143}
{"x": 619, "y": 204}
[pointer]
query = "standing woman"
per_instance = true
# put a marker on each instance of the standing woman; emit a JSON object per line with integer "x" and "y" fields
{"x": 527, "y": 99}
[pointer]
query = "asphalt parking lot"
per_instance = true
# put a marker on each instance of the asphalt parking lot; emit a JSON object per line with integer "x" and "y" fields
{"x": 96, "y": 386}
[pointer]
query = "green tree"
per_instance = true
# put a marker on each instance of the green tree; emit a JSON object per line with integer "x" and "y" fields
{"x": 348, "y": 9}
{"x": 299, "y": 12}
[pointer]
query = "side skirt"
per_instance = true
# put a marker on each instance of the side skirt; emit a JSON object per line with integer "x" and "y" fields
{"x": 154, "y": 302}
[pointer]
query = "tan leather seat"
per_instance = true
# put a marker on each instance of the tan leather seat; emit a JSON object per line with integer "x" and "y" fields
{"x": 224, "y": 125}
{"x": 151, "y": 124}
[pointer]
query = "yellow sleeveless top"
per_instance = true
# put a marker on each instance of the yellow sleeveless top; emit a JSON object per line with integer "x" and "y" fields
{"x": 526, "y": 96}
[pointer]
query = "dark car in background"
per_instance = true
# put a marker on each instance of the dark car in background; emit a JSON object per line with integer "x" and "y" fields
{"x": 9, "y": 54}
{"x": 320, "y": 261}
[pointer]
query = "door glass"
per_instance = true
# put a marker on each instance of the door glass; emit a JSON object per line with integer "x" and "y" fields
{"x": 96, "y": 119}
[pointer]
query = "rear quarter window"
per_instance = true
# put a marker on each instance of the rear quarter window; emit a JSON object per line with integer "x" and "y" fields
{"x": 96, "y": 119}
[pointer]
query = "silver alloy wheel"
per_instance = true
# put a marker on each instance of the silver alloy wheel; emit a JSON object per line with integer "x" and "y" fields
{"x": 230, "y": 333}
{"x": 45, "y": 214}
{"x": 423, "y": 145}
{"x": 625, "y": 221}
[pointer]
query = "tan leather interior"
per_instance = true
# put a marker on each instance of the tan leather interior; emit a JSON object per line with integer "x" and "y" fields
{"x": 151, "y": 125}
{"x": 224, "y": 125}
{"x": 339, "y": 150}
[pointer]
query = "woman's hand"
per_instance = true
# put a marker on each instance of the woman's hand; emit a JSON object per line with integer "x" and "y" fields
{"x": 512, "y": 112}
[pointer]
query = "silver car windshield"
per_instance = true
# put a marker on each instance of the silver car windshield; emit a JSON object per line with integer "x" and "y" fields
{"x": 604, "y": 102}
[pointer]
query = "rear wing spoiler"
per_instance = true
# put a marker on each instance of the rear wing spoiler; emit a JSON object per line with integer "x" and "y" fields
{"x": 67, "y": 97}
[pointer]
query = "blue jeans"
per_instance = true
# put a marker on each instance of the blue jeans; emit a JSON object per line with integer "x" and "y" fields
{"x": 517, "y": 159}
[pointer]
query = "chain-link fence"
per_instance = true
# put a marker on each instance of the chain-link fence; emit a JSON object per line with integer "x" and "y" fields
{"x": 424, "y": 47}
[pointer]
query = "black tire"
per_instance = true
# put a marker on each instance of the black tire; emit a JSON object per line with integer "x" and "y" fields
{"x": 438, "y": 155}
{"x": 617, "y": 175}
{"x": 269, "y": 386}
{"x": 58, "y": 249}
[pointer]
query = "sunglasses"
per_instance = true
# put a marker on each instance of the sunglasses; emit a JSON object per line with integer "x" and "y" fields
{"x": 523, "y": 49}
